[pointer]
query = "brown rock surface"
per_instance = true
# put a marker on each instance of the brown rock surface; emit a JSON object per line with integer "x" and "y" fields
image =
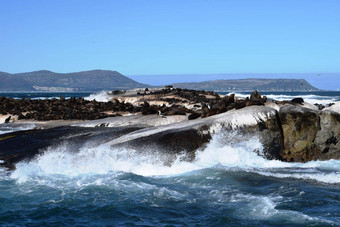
{"x": 328, "y": 137}
{"x": 300, "y": 126}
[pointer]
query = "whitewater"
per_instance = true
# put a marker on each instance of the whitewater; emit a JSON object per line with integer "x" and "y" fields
{"x": 226, "y": 184}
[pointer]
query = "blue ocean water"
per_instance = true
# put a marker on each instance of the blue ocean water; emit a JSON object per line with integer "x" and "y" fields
{"x": 312, "y": 97}
{"x": 43, "y": 95}
{"x": 226, "y": 185}
{"x": 320, "y": 97}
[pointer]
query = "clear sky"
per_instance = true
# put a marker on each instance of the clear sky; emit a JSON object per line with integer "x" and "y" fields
{"x": 171, "y": 36}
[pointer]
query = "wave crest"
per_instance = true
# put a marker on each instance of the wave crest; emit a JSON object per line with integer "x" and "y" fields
{"x": 220, "y": 152}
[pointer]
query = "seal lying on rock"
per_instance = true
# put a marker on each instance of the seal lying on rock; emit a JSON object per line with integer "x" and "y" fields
{"x": 174, "y": 101}
{"x": 8, "y": 119}
{"x": 298, "y": 100}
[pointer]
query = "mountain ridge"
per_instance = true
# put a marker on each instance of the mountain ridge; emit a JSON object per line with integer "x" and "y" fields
{"x": 251, "y": 84}
{"x": 83, "y": 81}
{"x": 98, "y": 80}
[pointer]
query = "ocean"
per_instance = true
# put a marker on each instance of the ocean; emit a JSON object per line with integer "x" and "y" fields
{"x": 226, "y": 185}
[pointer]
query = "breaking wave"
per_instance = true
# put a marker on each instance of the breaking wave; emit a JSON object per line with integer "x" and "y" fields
{"x": 227, "y": 180}
{"x": 311, "y": 98}
{"x": 8, "y": 128}
{"x": 102, "y": 96}
{"x": 230, "y": 156}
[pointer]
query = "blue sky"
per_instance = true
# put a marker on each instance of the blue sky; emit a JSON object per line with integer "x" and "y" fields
{"x": 171, "y": 36}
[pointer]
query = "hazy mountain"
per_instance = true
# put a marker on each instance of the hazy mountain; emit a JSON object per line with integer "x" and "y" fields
{"x": 246, "y": 85}
{"x": 98, "y": 80}
{"x": 87, "y": 81}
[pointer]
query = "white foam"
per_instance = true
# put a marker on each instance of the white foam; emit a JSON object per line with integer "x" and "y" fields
{"x": 312, "y": 99}
{"x": 324, "y": 100}
{"x": 259, "y": 207}
{"x": 92, "y": 160}
{"x": 330, "y": 178}
{"x": 102, "y": 96}
{"x": 8, "y": 128}
{"x": 264, "y": 208}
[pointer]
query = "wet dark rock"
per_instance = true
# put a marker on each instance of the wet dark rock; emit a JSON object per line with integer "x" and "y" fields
{"x": 172, "y": 142}
{"x": 25, "y": 145}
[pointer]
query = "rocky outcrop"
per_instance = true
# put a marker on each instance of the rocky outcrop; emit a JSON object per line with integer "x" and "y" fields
{"x": 300, "y": 126}
{"x": 58, "y": 109}
{"x": 254, "y": 121}
{"x": 327, "y": 139}
{"x": 185, "y": 137}
{"x": 165, "y": 102}
{"x": 291, "y": 131}
{"x": 25, "y": 145}
{"x": 309, "y": 134}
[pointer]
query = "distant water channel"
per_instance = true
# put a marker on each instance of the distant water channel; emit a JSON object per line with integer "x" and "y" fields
{"x": 33, "y": 95}
{"x": 323, "y": 96}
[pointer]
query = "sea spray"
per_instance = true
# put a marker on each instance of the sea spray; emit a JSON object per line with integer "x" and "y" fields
{"x": 309, "y": 98}
{"x": 102, "y": 96}
{"x": 11, "y": 127}
{"x": 226, "y": 184}
{"x": 224, "y": 150}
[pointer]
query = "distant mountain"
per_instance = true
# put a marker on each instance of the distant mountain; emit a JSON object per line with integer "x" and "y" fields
{"x": 248, "y": 85}
{"x": 47, "y": 81}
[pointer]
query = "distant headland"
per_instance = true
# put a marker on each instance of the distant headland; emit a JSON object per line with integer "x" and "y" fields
{"x": 99, "y": 80}
{"x": 249, "y": 85}
{"x": 85, "y": 81}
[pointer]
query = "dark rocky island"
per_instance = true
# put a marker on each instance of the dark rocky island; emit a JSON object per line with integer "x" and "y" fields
{"x": 173, "y": 121}
{"x": 164, "y": 102}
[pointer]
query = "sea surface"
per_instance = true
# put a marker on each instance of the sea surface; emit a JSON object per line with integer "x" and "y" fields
{"x": 226, "y": 185}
